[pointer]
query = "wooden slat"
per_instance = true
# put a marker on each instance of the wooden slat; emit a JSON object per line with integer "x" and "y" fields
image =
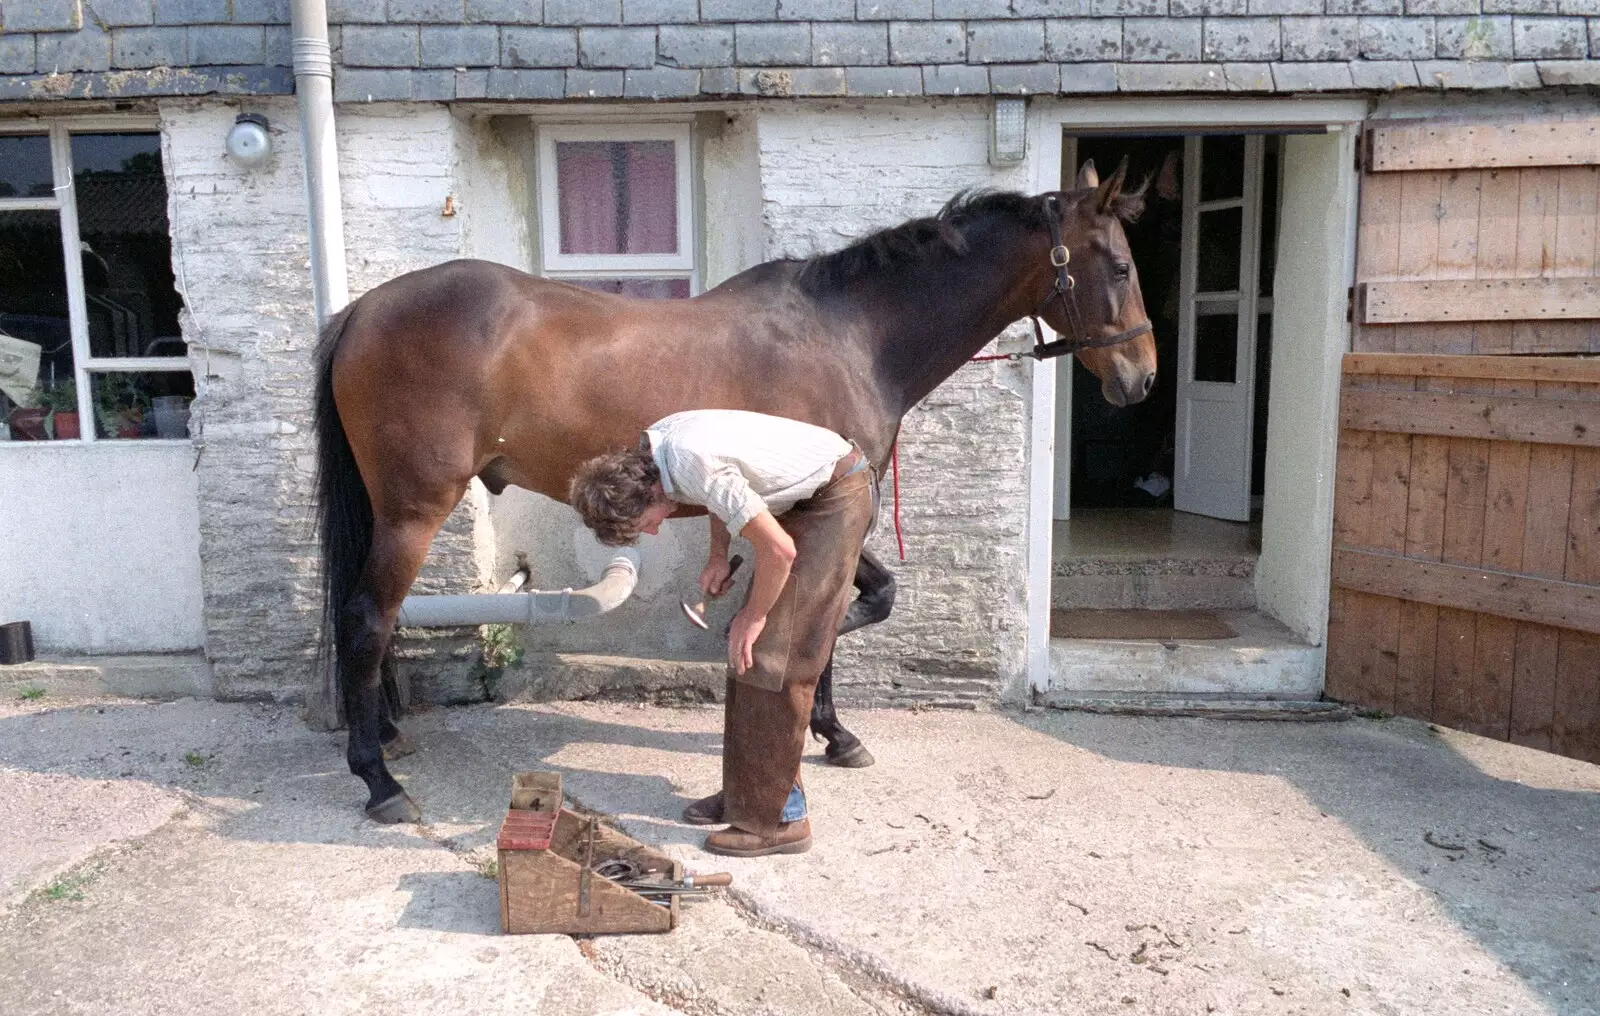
{"x": 1544, "y": 553}
{"x": 1479, "y": 300}
{"x": 1465, "y": 500}
{"x": 1576, "y": 731}
{"x": 1494, "y": 679}
{"x": 1554, "y": 602}
{"x": 1497, "y": 368}
{"x": 1485, "y": 417}
{"x": 1537, "y": 200}
{"x": 1348, "y": 649}
{"x": 1399, "y": 147}
{"x": 1576, "y": 200}
{"x": 1419, "y": 622}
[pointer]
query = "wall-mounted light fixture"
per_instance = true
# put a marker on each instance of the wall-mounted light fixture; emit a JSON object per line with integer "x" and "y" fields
{"x": 1008, "y": 131}
{"x": 249, "y": 144}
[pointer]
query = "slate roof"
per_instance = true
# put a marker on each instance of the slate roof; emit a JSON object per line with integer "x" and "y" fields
{"x": 684, "y": 49}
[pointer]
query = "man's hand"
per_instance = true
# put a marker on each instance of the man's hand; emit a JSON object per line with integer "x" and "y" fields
{"x": 742, "y": 635}
{"x": 717, "y": 576}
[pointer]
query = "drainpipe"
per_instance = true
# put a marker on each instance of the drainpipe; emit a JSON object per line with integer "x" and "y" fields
{"x": 533, "y": 607}
{"x": 313, "y": 84}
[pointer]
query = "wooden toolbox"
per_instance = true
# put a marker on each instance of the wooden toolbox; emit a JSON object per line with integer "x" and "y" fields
{"x": 546, "y": 853}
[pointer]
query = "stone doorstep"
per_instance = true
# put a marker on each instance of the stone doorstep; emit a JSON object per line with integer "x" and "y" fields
{"x": 1215, "y": 707}
{"x": 141, "y": 675}
{"x": 1265, "y": 661}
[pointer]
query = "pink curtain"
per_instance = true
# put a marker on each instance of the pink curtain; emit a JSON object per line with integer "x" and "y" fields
{"x": 586, "y": 197}
{"x": 617, "y": 197}
{"x": 652, "y": 198}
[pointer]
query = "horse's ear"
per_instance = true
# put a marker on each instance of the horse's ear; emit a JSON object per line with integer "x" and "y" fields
{"x": 1088, "y": 176}
{"x": 1108, "y": 192}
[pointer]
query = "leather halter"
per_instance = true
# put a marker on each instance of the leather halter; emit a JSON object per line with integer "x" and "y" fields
{"x": 1064, "y": 290}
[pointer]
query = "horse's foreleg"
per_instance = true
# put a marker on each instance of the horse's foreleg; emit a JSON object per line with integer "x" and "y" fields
{"x": 873, "y": 604}
{"x": 366, "y": 626}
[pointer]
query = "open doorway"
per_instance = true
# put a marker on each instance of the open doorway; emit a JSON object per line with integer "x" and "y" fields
{"x": 1182, "y": 473}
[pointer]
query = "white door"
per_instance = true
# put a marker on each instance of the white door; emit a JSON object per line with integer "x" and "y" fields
{"x": 1217, "y": 324}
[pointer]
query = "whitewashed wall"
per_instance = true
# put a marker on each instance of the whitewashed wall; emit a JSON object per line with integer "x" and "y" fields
{"x": 99, "y": 545}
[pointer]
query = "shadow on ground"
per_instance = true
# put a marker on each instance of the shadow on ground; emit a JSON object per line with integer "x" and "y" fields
{"x": 1514, "y": 865}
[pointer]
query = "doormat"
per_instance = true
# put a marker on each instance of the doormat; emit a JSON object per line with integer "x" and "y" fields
{"x": 1162, "y": 625}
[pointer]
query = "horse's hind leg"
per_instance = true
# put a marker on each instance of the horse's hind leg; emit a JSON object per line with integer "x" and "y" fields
{"x": 366, "y": 626}
{"x": 876, "y": 599}
{"x": 394, "y": 741}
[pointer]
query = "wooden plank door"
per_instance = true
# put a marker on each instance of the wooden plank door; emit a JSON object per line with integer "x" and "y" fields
{"x": 1466, "y": 560}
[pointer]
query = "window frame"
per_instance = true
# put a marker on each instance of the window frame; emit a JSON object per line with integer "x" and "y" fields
{"x": 65, "y": 204}
{"x": 684, "y": 264}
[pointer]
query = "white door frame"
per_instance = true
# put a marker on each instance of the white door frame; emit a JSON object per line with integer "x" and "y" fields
{"x": 1049, "y": 119}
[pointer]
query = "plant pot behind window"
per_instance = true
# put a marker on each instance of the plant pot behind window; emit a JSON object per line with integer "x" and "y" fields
{"x": 66, "y": 425}
{"x": 28, "y": 424}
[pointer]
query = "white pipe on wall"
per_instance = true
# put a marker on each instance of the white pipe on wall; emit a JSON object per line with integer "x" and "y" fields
{"x": 313, "y": 83}
{"x": 615, "y": 585}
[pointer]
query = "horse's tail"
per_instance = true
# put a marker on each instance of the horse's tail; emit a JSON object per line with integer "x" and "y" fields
{"x": 344, "y": 512}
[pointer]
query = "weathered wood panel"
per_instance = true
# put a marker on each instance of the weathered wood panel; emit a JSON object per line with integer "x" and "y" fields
{"x": 1466, "y": 570}
{"x": 1483, "y": 256}
{"x": 1412, "y": 147}
{"x": 1479, "y": 300}
{"x": 1482, "y": 417}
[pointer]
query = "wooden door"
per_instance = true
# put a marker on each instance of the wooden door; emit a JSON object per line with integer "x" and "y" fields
{"x": 1217, "y": 324}
{"x": 1466, "y": 560}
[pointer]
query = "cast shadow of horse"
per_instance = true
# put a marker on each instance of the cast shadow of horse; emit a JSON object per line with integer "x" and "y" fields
{"x": 1407, "y": 791}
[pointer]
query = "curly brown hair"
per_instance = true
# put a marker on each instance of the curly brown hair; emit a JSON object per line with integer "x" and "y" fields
{"x": 611, "y": 491}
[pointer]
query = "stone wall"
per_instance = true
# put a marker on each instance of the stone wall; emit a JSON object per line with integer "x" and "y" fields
{"x": 830, "y": 173}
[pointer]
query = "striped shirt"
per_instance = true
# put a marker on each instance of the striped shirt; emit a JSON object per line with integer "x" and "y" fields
{"x": 738, "y": 464}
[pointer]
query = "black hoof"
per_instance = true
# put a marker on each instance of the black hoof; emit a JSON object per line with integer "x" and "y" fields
{"x": 399, "y": 747}
{"x": 855, "y": 757}
{"x": 399, "y": 808}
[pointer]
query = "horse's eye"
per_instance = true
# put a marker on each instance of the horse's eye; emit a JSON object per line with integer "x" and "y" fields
{"x": 1122, "y": 269}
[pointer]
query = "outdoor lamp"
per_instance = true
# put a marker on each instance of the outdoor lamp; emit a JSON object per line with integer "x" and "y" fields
{"x": 249, "y": 144}
{"x": 1008, "y": 131}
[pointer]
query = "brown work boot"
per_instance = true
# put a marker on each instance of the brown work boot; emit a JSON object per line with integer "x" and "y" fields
{"x": 706, "y": 811}
{"x": 791, "y": 838}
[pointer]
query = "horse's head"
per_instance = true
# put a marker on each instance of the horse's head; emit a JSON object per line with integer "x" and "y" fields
{"x": 1104, "y": 300}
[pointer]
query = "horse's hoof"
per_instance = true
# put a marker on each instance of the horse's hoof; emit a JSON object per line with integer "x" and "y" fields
{"x": 399, "y": 747}
{"x": 857, "y": 757}
{"x": 399, "y": 808}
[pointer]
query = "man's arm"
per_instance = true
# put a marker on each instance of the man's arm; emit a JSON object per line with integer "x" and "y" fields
{"x": 774, "y": 557}
{"x": 716, "y": 576}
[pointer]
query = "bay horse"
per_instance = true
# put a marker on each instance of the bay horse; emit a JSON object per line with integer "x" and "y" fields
{"x": 471, "y": 368}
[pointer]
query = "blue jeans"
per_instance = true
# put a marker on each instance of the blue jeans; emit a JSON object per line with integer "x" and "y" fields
{"x": 794, "y": 809}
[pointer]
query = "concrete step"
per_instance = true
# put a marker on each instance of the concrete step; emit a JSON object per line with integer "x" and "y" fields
{"x": 142, "y": 675}
{"x": 1177, "y": 582}
{"x": 1264, "y": 661}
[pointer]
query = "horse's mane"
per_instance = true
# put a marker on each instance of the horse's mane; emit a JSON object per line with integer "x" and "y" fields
{"x": 921, "y": 240}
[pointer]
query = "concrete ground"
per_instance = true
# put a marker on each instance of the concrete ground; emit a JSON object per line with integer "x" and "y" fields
{"x": 198, "y": 857}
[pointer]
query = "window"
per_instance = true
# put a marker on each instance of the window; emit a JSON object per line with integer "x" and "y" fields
{"x": 616, "y": 208}
{"x": 90, "y": 346}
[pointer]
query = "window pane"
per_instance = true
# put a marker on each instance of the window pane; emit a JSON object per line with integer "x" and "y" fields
{"x": 25, "y": 166}
{"x": 35, "y": 333}
{"x": 1220, "y": 233}
{"x": 148, "y": 405}
{"x": 617, "y": 197}
{"x": 1222, "y": 167}
{"x": 127, "y": 252}
{"x": 649, "y": 289}
{"x": 1216, "y": 347}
